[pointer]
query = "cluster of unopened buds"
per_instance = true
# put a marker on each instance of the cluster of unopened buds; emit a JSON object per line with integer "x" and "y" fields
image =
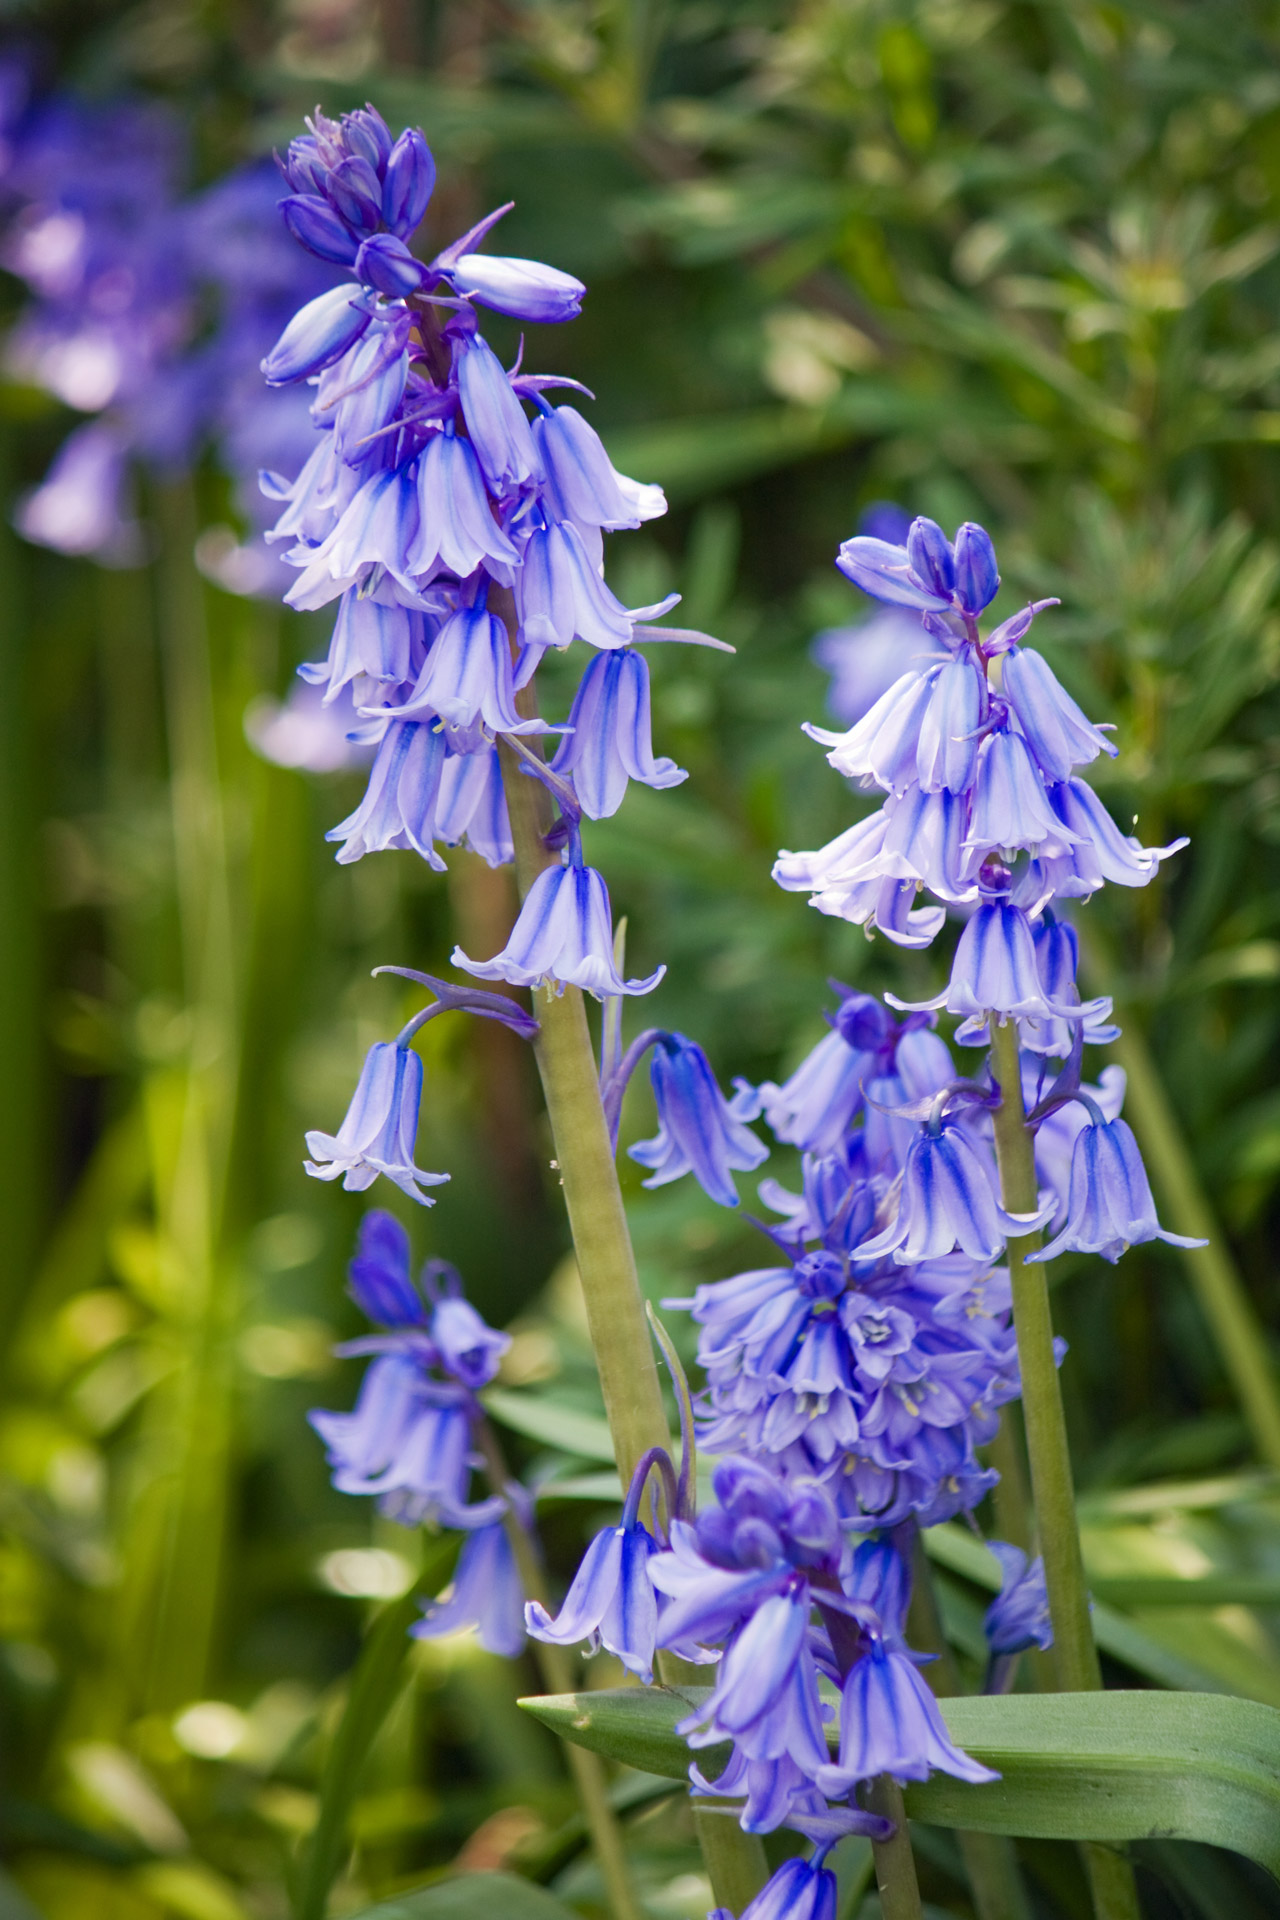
{"x": 851, "y": 1381}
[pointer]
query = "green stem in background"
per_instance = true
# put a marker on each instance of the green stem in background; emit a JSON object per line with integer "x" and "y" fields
{"x": 1243, "y": 1342}
{"x": 1075, "y": 1655}
{"x": 556, "y": 1669}
{"x": 895, "y": 1864}
{"x": 990, "y": 1859}
{"x": 616, "y": 1319}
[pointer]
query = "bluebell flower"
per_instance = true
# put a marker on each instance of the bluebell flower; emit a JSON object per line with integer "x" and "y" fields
{"x": 495, "y": 420}
{"x": 610, "y": 741}
{"x": 847, "y": 879}
{"x": 1011, "y": 807}
{"x": 561, "y": 596}
{"x": 1057, "y": 956}
{"x": 380, "y": 1128}
{"x": 526, "y": 289}
{"x": 386, "y": 264}
{"x": 1059, "y": 735}
{"x": 1101, "y": 852}
{"x": 799, "y": 1890}
{"x": 484, "y": 1594}
{"x": 456, "y": 527}
{"x": 946, "y": 1202}
{"x": 81, "y": 505}
{"x": 374, "y": 531}
{"x": 581, "y": 482}
{"x": 371, "y": 640}
{"x": 890, "y": 1723}
{"x": 1018, "y": 1617}
{"x": 472, "y": 806}
{"x": 407, "y": 1442}
{"x": 929, "y": 572}
{"x": 1056, "y": 1135}
{"x": 1109, "y": 1206}
{"x": 611, "y": 1602}
{"x": 995, "y": 970}
{"x": 563, "y": 937}
{"x": 467, "y": 677}
{"x": 318, "y": 334}
{"x": 883, "y": 746}
{"x": 699, "y": 1131}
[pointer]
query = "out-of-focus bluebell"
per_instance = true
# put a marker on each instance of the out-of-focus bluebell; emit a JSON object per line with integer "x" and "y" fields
{"x": 484, "y": 1595}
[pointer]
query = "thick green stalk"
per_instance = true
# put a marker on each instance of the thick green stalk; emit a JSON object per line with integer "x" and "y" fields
{"x": 895, "y": 1864}
{"x": 557, "y": 1672}
{"x": 606, "y": 1264}
{"x": 1075, "y": 1655}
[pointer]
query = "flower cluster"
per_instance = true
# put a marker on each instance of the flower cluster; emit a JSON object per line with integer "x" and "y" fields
{"x": 409, "y": 1441}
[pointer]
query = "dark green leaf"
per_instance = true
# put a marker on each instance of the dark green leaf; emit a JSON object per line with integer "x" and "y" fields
{"x": 1109, "y": 1766}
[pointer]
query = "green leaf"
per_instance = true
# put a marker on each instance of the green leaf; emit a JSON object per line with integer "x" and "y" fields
{"x": 375, "y": 1685}
{"x": 472, "y": 1896}
{"x": 1074, "y": 1766}
{"x": 538, "y": 1418}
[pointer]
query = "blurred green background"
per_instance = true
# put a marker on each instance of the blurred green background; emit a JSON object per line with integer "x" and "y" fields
{"x": 1010, "y": 260}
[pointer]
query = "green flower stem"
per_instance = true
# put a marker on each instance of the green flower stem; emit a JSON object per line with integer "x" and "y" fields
{"x": 735, "y": 1860}
{"x": 556, "y": 1669}
{"x": 894, "y": 1861}
{"x": 1075, "y": 1655}
{"x": 990, "y": 1859}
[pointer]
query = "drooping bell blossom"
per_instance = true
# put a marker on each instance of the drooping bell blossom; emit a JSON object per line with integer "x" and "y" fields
{"x": 372, "y": 640}
{"x": 1057, "y": 956}
{"x": 471, "y": 809}
{"x": 1018, "y": 1617}
{"x": 611, "y": 1601}
{"x": 891, "y": 1723}
{"x": 799, "y": 1890}
{"x": 995, "y": 970}
{"x": 467, "y": 678}
{"x": 485, "y": 1594}
{"x": 496, "y": 422}
{"x": 1057, "y": 732}
{"x": 373, "y": 535}
{"x": 432, "y": 1321}
{"x": 699, "y": 1131}
{"x": 1109, "y": 1205}
{"x": 924, "y": 728}
{"x": 929, "y": 573}
{"x": 1100, "y": 852}
{"x": 847, "y": 879}
{"x": 946, "y": 1202}
{"x": 456, "y": 526}
{"x": 1057, "y": 1133}
{"x": 407, "y": 1442}
{"x": 610, "y": 740}
{"x": 561, "y": 597}
{"x": 562, "y": 937}
{"x": 581, "y": 483}
{"x": 815, "y": 1107}
{"x": 399, "y": 805}
{"x": 380, "y": 1128}
{"x": 1010, "y": 806}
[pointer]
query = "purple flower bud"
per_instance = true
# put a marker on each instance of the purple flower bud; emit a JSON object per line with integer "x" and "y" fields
{"x": 886, "y": 573}
{"x": 408, "y": 183}
{"x": 799, "y": 1890}
{"x": 355, "y": 192}
{"x": 303, "y": 166}
{"x": 387, "y": 264}
{"x": 380, "y": 1283}
{"x": 366, "y": 133}
{"x": 381, "y": 1125}
{"x": 1018, "y": 1617}
{"x": 315, "y": 226}
{"x": 526, "y": 289}
{"x": 318, "y": 334}
{"x": 977, "y": 577}
{"x": 929, "y": 552}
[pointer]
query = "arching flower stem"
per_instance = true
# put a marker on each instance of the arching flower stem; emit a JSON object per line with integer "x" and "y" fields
{"x": 1075, "y": 1654}
{"x": 628, "y": 1371}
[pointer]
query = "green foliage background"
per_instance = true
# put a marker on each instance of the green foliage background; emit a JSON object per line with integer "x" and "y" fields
{"x": 1013, "y": 260}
